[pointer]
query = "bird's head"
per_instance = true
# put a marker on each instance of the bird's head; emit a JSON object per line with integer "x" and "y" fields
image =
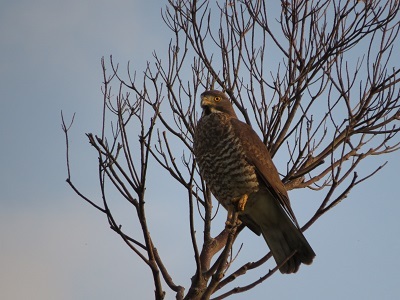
{"x": 216, "y": 102}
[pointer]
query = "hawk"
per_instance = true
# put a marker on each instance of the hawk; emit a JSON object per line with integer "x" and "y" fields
{"x": 238, "y": 169}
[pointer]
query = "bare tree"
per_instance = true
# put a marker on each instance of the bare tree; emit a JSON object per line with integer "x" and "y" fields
{"x": 317, "y": 80}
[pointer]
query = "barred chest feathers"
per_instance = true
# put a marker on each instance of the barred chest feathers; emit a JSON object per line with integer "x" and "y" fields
{"x": 221, "y": 159}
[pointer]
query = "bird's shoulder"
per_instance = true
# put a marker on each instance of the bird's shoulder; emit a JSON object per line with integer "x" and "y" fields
{"x": 250, "y": 140}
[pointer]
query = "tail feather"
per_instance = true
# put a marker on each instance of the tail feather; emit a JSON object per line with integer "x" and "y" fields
{"x": 285, "y": 240}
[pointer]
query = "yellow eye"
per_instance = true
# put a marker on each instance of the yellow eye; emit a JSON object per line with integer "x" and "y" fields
{"x": 217, "y": 99}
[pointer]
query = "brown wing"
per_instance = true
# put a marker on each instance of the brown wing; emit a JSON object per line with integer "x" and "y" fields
{"x": 258, "y": 155}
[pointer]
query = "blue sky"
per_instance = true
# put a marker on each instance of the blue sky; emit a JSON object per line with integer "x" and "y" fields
{"x": 55, "y": 246}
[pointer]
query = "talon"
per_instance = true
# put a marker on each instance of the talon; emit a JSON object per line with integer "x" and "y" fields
{"x": 228, "y": 224}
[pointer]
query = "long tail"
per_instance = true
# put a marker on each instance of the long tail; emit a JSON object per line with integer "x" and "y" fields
{"x": 284, "y": 239}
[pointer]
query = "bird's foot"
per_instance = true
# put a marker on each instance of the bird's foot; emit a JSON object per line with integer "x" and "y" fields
{"x": 229, "y": 224}
{"x": 233, "y": 210}
{"x": 231, "y": 220}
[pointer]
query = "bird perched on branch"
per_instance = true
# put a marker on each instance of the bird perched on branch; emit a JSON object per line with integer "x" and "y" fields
{"x": 238, "y": 169}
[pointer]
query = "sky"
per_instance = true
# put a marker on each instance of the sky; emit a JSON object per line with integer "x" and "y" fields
{"x": 55, "y": 246}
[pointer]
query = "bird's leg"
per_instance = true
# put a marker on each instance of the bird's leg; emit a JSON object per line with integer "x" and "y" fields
{"x": 241, "y": 203}
{"x": 238, "y": 205}
{"x": 231, "y": 211}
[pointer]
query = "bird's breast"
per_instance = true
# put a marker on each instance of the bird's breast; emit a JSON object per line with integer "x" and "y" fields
{"x": 222, "y": 160}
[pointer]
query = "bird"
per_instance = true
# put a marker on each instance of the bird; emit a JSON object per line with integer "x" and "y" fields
{"x": 238, "y": 169}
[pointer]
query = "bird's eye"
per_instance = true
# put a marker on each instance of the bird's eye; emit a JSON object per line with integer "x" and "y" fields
{"x": 217, "y": 99}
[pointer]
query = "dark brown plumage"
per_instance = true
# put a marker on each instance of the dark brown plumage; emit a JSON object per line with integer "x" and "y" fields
{"x": 239, "y": 171}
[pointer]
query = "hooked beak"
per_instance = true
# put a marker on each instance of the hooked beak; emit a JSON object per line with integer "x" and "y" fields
{"x": 205, "y": 101}
{"x": 206, "y": 106}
